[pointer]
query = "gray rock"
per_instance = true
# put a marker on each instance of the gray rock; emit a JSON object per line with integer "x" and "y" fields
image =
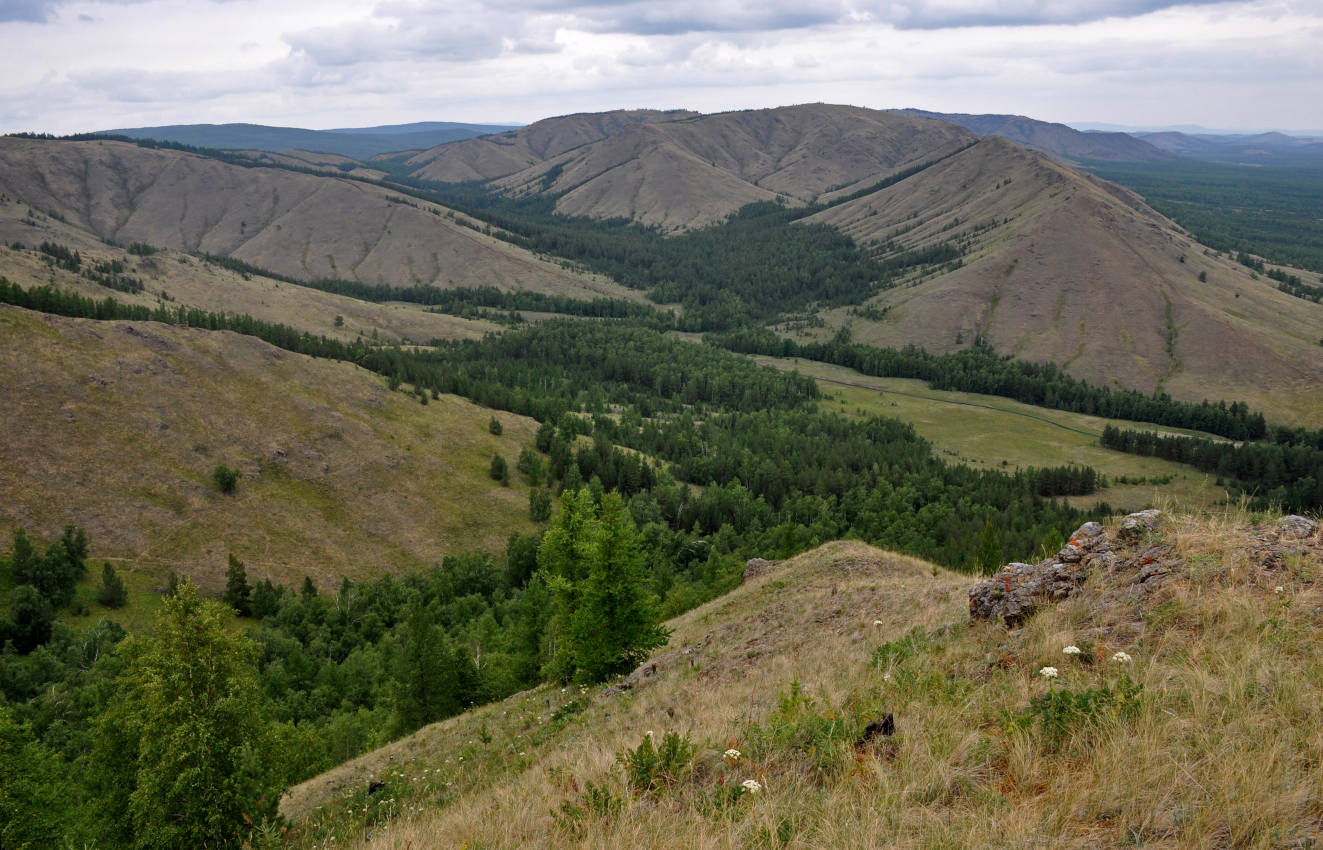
{"x": 755, "y": 567}
{"x": 1137, "y": 525}
{"x": 1296, "y": 526}
{"x": 1013, "y": 594}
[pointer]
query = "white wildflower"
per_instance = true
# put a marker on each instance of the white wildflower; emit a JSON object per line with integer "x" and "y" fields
{"x": 878, "y": 623}
{"x": 1072, "y": 650}
{"x": 648, "y": 733}
{"x": 732, "y": 754}
{"x": 753, "y": 786}
{"x": 1279, "y": 589}
{"x": 1048, "y": 672}
{"x": 1121, "y": 658}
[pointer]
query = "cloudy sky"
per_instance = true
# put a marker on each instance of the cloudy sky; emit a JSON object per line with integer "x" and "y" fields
{"x": 78, "y": 65}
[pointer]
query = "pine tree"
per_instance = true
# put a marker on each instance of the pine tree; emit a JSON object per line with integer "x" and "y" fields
{"x": 603, "y": 619}
{"x": 615, "y": 625}
{"x": 113, "y": 593}
{"x": 238, "y": 595}
{"x": 425, "y": 687}
{"x": 987, "y": 557}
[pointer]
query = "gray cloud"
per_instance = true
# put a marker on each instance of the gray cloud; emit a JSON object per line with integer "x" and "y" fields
{"x": 648, "y": 17}
{"x": 31, "y": 11}
{"x": 943, "y": 14}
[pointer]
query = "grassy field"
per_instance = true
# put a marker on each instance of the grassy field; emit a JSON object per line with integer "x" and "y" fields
{"x": 991, "y": 432}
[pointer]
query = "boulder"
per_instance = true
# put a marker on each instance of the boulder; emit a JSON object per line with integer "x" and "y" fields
{"x": 755, "y": 567}
{"x": 1136, "y": 526}
{"x": 1295, "y": 526}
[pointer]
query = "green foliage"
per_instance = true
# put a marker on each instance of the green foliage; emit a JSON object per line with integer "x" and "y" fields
{"x": 539, "y": 504}
{"x": 987, "y": 558}
{"x": 31, "y": 618}
{"x": 595, "y": 801}
{"x": 1287, "y": 472}
{"x": 818, "y": 736}
{"x": 649, "y": 767}
{"x": 980, "y": 370}
{"x": 226, "y": 479}
{"x": 238, "y": 595}
{"x": 36, "y": 798}
{"x": 1063, "y": 713}
{"x": 604, "y": 620}
{"x": 499, "y": 470}
{"x": 185, "y": 748}
{"x": 495, "y": 427}
{"x": 531, "y": 465}
{"x": 112, "y": 593}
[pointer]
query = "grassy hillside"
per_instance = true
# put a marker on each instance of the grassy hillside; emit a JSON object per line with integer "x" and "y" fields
{"x": 119, "y": 426}
{"x": 1205, "y": 737}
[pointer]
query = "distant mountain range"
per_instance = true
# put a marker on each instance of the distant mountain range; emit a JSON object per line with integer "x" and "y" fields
{"x": 357, "y": 142}
{"x": 1056, "y": 139}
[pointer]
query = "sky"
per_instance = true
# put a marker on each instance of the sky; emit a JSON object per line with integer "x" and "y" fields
{"x": 80, "y": 65}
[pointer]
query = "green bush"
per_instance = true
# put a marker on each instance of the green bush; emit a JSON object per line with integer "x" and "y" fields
{"x": 226, "y": 479}
{"x": 1061, "y": 713}
{"x": 649, "y": 767}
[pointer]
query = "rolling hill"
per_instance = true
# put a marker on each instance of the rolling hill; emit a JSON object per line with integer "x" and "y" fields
{"x": 1055, "y": 265}
{"x": 300, "y": 225}
{"x": 684, "y": 171}
{"x": 119, "y": 426}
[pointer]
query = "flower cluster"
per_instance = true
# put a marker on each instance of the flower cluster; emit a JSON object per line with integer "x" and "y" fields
{"x": 1071, "y": 650}
{"x": 1121, "y": 657}
{"x": 753, "y": 786}
{"x": 732, "y": 755}
{"x": 1048, "y": 672}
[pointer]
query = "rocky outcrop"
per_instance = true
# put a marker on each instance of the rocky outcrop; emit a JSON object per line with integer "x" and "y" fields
{"x": 1017, "y": 589}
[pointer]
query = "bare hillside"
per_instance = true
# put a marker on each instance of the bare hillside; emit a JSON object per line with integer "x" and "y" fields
{"x": 117, "y": 427}
{"x": 693, "y": 170}
{"x": 505, "y": 153}
{"x": 301, "y": 225}
{"x": 1064, "y": 267}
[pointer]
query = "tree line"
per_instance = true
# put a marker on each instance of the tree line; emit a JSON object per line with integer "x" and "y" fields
{"x": 1283, "y": 474}
{"x": 979, "y": 369}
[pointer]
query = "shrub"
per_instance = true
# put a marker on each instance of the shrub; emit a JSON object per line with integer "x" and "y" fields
{"x": 649, "y": 767}
{"x": 226, "y": 479}
{"x": 1061, "y": 713}
{"x": 495, "y": 426}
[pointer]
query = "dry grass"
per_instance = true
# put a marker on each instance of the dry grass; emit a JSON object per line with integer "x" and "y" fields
{"x": 117, "y": 426}
{"x": 1221, "y": 749}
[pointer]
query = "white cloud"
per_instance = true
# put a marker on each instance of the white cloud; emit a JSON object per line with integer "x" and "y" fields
{"x": 1253, "y": 62}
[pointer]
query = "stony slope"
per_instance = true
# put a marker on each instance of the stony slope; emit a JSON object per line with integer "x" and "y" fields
{"x": 1213, "y": 711}
{"x": 693, "y": 170}
{"x": 117, "y": 426}
{"x": 301, "y": 225}
{"x": 1064, "y": 267}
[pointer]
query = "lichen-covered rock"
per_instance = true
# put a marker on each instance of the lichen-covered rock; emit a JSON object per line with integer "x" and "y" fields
{"x": 1138, "y": 525}
{"x": 1013, "y": 594}
{"x": 1295, "y": 526}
